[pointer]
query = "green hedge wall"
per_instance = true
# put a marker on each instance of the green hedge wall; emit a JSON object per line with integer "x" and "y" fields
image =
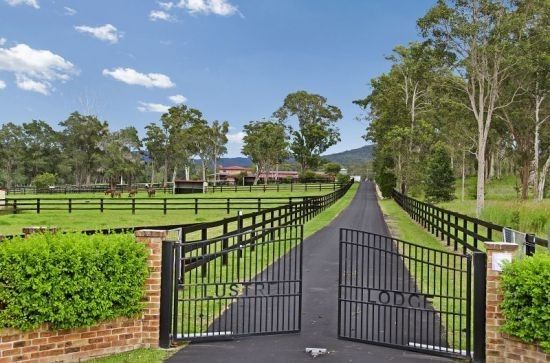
{"x": 70, "y": 280}
{"x": 526, "y": 304}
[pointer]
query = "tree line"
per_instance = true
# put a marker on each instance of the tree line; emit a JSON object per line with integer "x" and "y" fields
{"x": 475, "y": 88}
{"x": 85, "y": 150}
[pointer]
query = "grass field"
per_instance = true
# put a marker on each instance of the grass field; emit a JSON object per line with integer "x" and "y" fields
{"x": 503, "y": 207}
{"x": 93, "y": 219}
{"x": 312, "y": 226}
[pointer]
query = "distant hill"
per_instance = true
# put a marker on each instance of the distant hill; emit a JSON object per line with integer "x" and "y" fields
{"x": 238, "y": 161}
{"x": 345, "y": 158}
{"x": 354, "y": 156}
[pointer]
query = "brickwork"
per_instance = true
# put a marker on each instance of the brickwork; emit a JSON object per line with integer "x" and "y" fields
{"x": 501, "y": 347}
{"x": 72, "y": 345}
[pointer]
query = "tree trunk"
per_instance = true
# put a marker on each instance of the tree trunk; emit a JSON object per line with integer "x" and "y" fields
{"x": 463, "y": 174}
{"x": 524, "y": 174}
{"x": 215, "y": 170}
{"x": 203, "y": 164}
{"x": 542, "y": 180}
{"x": 174, "y": 173}
{"x": 152, "y": 172}
{"x": 187, "y": 171}
{"x": 480, "y": 194}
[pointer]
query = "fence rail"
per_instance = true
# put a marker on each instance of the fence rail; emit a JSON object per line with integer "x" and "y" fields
{"x": 75, "y": 189}
{"x": 228, "y": 204}
{"x": 456, "y": 228}
{"x": 292, "y": 187}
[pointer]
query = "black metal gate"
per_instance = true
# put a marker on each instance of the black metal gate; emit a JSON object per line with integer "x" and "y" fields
{"x": 239, "y": 284}
{"x": 399, "y": 294}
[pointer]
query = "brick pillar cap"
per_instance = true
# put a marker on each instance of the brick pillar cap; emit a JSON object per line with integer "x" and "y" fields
{"x": 150, "y": 233}
{"x": 501, "y": 246}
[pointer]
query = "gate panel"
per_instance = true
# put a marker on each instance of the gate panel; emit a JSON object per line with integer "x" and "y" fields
{"x": 241, "y": 284}
{"x": 399, "y": 294}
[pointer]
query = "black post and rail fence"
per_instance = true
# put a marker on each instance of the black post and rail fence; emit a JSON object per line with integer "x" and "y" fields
{"x": 456, "y": 229}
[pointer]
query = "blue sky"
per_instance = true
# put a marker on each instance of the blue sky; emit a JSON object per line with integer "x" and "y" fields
{"x": 235, "y": 60}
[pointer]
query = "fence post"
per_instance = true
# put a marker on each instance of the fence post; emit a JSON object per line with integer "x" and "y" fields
{"x": 70, "y": 205}
{"x": 38, "y": 206}
{"x": 196, "y": 206}
{"x": 101, "y": 205}
{"x": 133, "y": 206}
{"x": 228, "y": 206}
{"x": 479, "y": 260}
{"x": 14, "y": 206}
{"x": 164, "y": 206}
{"x": 204, "y": 251}
{"x": 530, "y": 244}
{"x": 225, "y": 245}
{"x": 166, "y": 286}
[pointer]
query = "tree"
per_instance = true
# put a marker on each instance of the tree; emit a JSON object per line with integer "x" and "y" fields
{"x": 384, "y": 176}
{"x": 156, "y": 143}
{"x": 316, "y": 130}
{"x": 439, "y": 184}
{"x": 475, "y": 37}
{"x": 217, "y": 136}
{"x": 266, "y": 144}
{"x": 41, "y": 148}
{"x": 81, "y": 137}
{"x": 11, "y": 151}
{"x": 44, "y": 180}
{"x": 121, "y": 155}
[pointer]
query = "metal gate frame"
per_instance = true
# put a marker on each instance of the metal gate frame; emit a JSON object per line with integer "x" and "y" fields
{"x": 235, "y": 285}
{"x": 380, "y": 300}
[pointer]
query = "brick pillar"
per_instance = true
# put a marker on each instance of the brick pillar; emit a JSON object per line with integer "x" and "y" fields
{"x": 152, "y": 239}
{"x": 495, "y": 342}
{"x": 30, "y": 230}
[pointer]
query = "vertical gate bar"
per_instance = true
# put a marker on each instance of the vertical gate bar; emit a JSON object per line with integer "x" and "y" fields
{"x": 340, "y": 284}
{"x": 468, "y": 304}
{"x": 166, "y": 286}
{"x": 480, "y": 291}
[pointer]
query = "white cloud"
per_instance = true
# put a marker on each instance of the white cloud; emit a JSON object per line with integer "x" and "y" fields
{"x": 131, "y": 76}
{"x": 27, "y": 84}
{"x": 177, "y": 99}
{"x": 35, "y": 69}
{"x": 155, "y": 15}
{"x": 2, "y": 41}
{"x": 206, "y": 7}
{"x": 33, "y": 3}
{"x": 107, "y": 32}
{"x": 2, "y": 84}
{"x": 236, "y": 138}
{"x": 153, "y": 107}
{"x": 69, "y": 11}
{"x": 166, "y": 5}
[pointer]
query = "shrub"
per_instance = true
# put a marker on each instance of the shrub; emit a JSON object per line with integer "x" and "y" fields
{"x": 342, "y": 179}
{"x": 308, "y": 176}
{"x": 526, "y": 304}
{"x": 44, "y": 180}
{"x": 70, "y": 280}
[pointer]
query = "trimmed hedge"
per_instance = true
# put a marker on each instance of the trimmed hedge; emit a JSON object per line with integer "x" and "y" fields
{"x": 526, "y": 304}
{"x": 70, "y": 280}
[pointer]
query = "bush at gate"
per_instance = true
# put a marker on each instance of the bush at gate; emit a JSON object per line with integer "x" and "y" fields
{"x": 526, "y": 303}
{"x": 70, "y": 280}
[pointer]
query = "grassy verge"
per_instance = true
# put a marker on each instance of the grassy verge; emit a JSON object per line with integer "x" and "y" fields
{"x": 429, "y": 276}
{"x": 136, "y": 356}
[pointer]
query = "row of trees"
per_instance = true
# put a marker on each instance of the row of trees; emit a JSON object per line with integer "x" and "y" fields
{"x": 478, "y": 84}
{"x": 86, "y": 151}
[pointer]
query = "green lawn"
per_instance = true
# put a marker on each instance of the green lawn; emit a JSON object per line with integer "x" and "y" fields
{"x": 312, "y": 226}
{"x": 93, "y": 219}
